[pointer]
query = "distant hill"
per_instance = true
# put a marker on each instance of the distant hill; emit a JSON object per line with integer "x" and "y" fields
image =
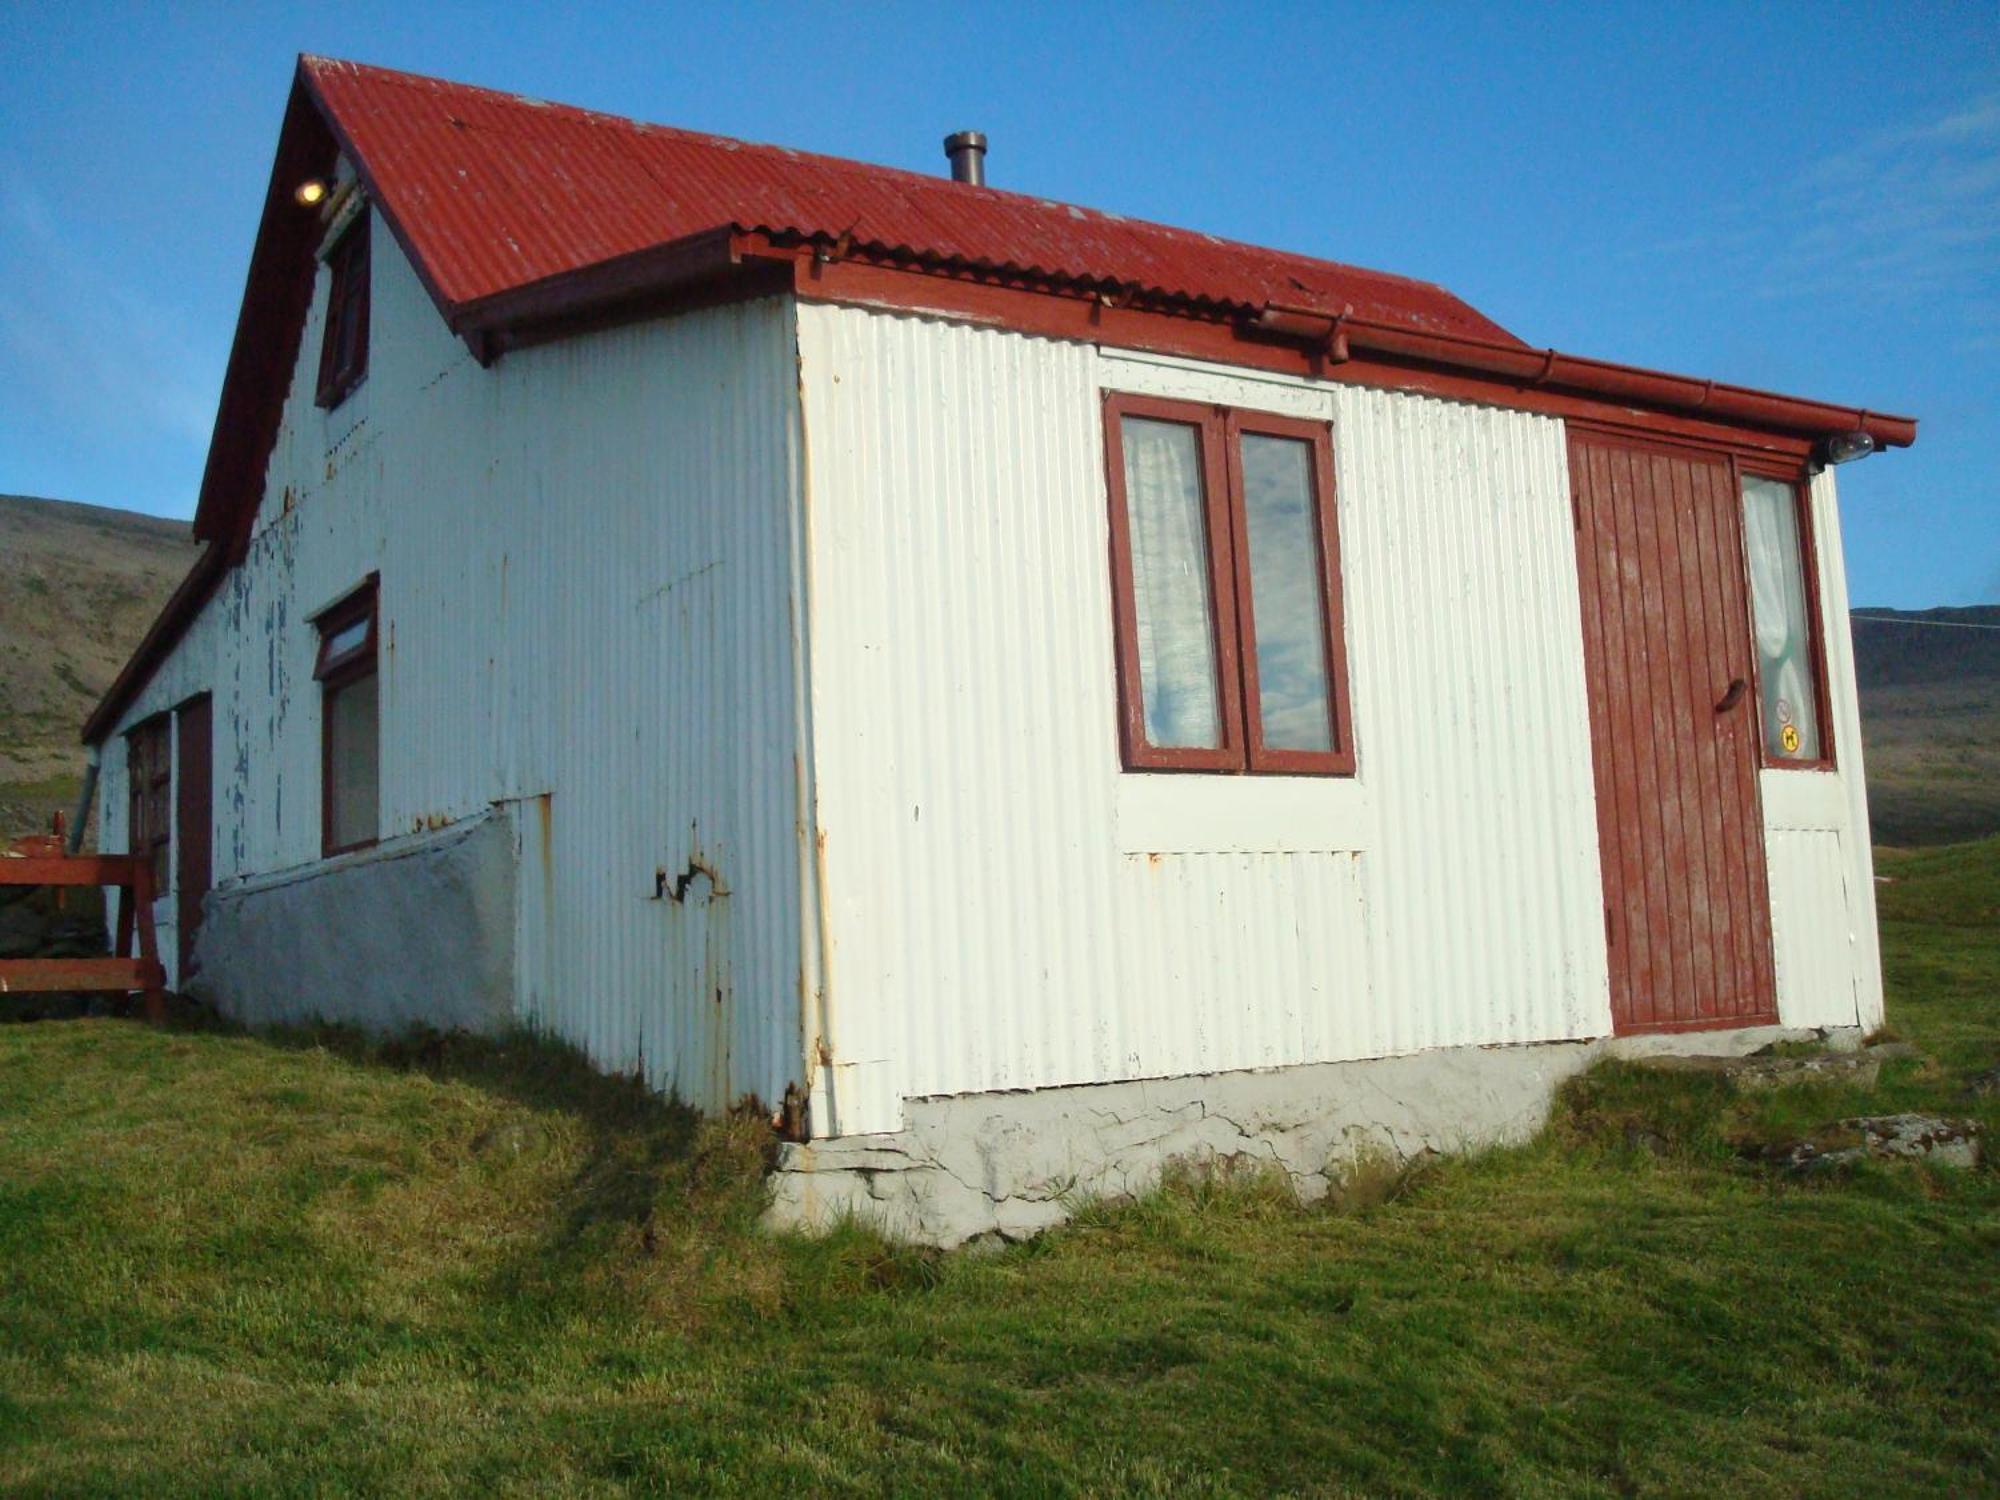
{"x": 79, "y": 584}
{"x": 1930, "y": 721}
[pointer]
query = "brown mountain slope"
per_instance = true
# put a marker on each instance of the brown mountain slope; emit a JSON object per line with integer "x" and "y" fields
{"x": 79, "y": 584}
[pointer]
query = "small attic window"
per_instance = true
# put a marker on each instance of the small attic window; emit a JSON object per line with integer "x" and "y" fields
{"x": 343, "y": 353}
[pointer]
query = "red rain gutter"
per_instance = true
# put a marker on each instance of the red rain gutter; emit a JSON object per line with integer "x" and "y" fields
{"x": 1341, "y": 333}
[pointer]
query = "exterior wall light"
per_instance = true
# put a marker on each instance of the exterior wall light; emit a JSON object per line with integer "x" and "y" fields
{"x": 1842, "y": 448}
{"x": 309, "y": 193}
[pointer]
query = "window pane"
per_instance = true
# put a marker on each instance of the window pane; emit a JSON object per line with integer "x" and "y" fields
{"x": 1286, "y": 600}
{"x": 352, "y": 751}
{"x": 346, "y": 639}
{"x": 1164, "y": 508}
{"x": 1784, "y": 631}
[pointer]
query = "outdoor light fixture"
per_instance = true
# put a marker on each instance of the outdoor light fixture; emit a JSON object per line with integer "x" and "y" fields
{"x": 309, "y": 193}
{"x": 1843, "y": 447}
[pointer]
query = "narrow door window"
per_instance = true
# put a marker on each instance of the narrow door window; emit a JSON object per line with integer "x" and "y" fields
{"x": 1781, "y": 612}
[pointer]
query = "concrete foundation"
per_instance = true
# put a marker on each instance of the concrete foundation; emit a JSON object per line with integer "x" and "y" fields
{"x": 1012, "y": 1164}
{"x": 418, "y": 931}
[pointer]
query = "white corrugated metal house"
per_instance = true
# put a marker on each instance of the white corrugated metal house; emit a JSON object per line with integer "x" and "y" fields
{"x": 1020, "y": 692}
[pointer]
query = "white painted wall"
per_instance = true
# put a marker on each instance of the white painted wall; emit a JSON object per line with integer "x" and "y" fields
{"x": 1006, "y": 908}
{"x": 586, "y": 562}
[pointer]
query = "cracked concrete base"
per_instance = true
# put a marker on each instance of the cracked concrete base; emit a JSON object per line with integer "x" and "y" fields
{"x": 1013, "y": 1164}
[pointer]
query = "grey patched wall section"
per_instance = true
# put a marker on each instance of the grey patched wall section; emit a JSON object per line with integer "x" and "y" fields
{"x": 416, "y": 931}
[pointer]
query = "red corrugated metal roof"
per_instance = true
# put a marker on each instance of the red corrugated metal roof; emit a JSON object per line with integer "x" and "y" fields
{"x": 495, "y": 191}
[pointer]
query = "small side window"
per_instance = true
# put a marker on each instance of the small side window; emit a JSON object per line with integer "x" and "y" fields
{"x": 1225, "y": 565}
{"x": 350, "y": 734}
{"x": 343, "y": 352}
{"x": 1790, "y": 721}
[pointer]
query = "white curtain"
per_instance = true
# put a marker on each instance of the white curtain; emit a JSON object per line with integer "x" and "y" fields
{"x": 1778, "y": 608}
{"x": 1175, "y": 615}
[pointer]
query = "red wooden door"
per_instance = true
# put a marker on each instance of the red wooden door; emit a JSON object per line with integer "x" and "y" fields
{"x": 1666, "y": 633}
{"x": 193, "y": 825}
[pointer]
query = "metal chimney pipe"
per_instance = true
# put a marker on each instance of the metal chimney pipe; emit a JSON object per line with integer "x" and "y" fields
{"x": 967, "y": 151}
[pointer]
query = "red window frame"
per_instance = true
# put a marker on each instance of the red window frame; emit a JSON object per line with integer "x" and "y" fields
{"x": 336, "y": 669}
{"x": 149, "y": 777}
{"x": 1800, "y": 484}
{"x": 343, "y": 350}
{"x": 1220, "y": 431}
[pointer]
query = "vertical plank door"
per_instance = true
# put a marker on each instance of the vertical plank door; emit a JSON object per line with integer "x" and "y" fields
{"x": 1666, "y": 630}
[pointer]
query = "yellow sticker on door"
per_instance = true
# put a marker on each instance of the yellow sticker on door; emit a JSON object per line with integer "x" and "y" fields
{"x": 1789, "y": 738}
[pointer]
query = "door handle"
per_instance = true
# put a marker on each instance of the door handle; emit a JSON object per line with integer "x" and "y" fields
{"x": 1734, "y": 696}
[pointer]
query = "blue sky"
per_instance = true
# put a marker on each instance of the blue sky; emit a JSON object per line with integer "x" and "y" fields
{"x": 1802, "y": 198}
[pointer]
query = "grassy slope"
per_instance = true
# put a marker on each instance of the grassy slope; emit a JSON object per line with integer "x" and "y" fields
{"x": 231, "y": 1265}
{"x": 80, "y": 586}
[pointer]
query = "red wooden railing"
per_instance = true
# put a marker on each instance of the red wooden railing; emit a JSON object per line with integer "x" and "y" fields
{"x": 132, "y": 874}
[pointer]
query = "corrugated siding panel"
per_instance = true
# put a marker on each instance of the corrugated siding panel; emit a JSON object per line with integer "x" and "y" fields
{"x": 1812, "y": 927}
{"x": 1845, "y": 701}
{"x": 585, "y": 584}
{"x": 1465, "y": 646}
{"x": 989, "y": 925}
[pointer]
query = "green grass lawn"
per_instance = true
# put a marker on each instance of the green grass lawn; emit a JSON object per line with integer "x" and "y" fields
{"x": 233, "y": 1265}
